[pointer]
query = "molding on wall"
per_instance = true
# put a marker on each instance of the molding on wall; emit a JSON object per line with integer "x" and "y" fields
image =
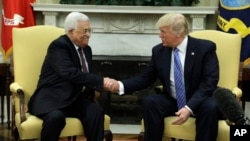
{"x": 125, "y": 9}
{"x": 128, "y": 28}
{"x": 136, "y": 16}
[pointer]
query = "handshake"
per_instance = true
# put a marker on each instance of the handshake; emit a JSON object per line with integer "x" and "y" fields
{"x": 111, "y": 85}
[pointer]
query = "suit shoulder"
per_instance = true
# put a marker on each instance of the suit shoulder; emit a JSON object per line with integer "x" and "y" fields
{"x": 61, "y": 39}
{"x": 201, "y": 43}
{"x": 158, "y": 47}
{"x": 200, "y": 40}
{"x": 61, "y": 42}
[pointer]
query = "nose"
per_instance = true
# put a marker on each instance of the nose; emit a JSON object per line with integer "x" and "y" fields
{"x": 88, "y": 33}
{"x": 160, "y": 35}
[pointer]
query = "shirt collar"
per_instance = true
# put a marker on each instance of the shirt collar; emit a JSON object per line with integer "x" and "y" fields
{"x": 76, "y": 47}
{"x": 183, "y": 45}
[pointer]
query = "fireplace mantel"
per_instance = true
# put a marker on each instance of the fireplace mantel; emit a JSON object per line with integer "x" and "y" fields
{"x": 125, "y": 9}
{"x": 196, "y": 13}
{"x": 124, "y": 30}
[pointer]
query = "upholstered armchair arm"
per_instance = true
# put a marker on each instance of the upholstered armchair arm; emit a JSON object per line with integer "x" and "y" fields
{"x": 18, "y": 94}
{"x": 238, "y": 92}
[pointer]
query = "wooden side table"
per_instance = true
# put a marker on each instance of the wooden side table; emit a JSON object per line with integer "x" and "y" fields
{"x": 5, "y": 79}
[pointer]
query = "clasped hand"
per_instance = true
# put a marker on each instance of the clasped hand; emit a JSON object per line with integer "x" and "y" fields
{"x": 111, "y": 85}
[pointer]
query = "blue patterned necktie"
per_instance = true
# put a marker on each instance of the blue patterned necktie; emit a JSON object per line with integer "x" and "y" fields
{"x": 179, "y": 82}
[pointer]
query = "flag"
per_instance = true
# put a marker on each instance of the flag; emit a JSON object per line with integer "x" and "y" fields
{"x": 234, "y": 17}
{"x": 15, "y": 13}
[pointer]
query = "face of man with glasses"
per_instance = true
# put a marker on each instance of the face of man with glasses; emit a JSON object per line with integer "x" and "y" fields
{"x": 80, "y": 36}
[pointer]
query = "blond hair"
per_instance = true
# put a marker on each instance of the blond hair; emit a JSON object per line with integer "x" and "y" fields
{"x": 177, "y": 23}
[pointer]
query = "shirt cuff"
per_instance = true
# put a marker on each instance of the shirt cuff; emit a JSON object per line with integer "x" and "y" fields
{"x": 189, "y": 110}
{"x": 121, "y": 88}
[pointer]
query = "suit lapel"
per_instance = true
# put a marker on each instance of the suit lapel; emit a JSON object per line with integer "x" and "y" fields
{"x": 164, "y": 57}
{"x": 168, "y": 61}
{"x": 73, "y": 51}
{"x": 190, "y": 57}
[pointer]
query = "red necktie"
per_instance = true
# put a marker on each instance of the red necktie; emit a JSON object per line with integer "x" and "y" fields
{"x": 84, "y": 67}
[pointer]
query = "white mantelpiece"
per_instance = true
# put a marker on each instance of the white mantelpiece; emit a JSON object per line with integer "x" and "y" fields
{"x": 123, "y": 30}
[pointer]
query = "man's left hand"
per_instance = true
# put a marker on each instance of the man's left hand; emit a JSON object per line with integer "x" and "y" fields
{"x": 181, "y": 116}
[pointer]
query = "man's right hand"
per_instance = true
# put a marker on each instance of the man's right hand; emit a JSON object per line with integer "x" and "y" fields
{"x": 111, "y": 85}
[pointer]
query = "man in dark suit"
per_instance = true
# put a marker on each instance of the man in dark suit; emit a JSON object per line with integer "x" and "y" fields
{"x": 66, "y": 86}
{"x": 200, "y": 69}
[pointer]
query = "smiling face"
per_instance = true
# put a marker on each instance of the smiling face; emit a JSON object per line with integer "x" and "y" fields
{"x": 81, "y": 34}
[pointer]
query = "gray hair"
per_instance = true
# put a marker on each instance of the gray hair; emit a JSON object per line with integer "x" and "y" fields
{"x": 177, "y": 23}
{"x": 72, "y": 19}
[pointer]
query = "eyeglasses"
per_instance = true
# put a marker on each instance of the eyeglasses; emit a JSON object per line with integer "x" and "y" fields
{"x": 85, "y": 31}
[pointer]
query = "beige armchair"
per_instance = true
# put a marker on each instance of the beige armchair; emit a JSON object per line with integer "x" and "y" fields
{"x": 29, "y": 48}
{"x": 228, "y": 51}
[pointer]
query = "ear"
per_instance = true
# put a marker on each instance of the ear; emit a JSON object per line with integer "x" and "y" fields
{"x": 70, "y": 33}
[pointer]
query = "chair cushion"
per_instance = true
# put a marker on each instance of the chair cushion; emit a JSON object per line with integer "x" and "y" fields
{"x": 187, "y": 129}
{"x": 31, "y": 128}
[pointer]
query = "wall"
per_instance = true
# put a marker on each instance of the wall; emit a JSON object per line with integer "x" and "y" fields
{"x": 210, "y": 25}
{"x": 124, "y": 30}
{"x": 202, "y": 2}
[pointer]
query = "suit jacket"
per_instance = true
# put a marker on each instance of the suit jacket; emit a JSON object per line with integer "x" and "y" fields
{"x": 61, "y": 79}
{"x": 201, "y": 72}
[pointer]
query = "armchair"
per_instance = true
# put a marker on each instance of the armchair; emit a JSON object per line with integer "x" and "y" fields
{"x": 228, "y": 51}
{"x": 29, "y": 48}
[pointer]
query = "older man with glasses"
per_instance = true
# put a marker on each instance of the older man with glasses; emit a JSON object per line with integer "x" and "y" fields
{"x": 66, "y": 86}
